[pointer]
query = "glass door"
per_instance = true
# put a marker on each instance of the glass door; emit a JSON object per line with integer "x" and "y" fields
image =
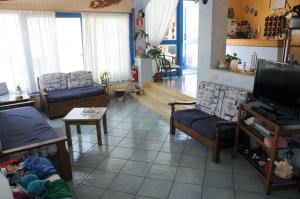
{"x": 190, "y": 33}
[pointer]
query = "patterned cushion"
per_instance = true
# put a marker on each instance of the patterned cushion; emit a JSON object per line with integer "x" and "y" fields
{"x": 208, "y": 97}
{"x": 229, "y": 100}
{"x": 53, "y": 81}
{"x": 80, "y": 79}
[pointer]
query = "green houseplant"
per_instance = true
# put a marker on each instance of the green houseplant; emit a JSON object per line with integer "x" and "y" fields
{"x": 153, "y": 52}
{"x": 18, "y": 88}
{"x": 232, "y": 61}
{"x": 105, "y": 80}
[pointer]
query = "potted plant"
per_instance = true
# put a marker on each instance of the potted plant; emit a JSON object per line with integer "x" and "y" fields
{"x": 105, "y": 80}
{"x": 153, "y": 52}
{"x": 294, "y": 15}
{"x": 233, "y": 61}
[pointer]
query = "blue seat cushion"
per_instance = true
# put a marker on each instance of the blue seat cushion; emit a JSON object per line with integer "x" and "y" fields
{"x": 187, "y": 117}
{"x": 74, "y": 93}
{"x": 60, "y": 95}
{"x": 88, "y": 91}
{"x": 207, "y": 128}
{"x": 23, "y": 126}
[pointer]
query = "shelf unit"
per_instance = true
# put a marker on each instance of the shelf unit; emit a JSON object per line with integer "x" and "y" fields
{"x": 270, "y": 181}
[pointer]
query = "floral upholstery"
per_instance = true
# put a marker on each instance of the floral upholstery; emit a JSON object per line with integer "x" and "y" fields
{"x": 53, "y": 81}
{"x": 220, "y": 100}
{"x": 229, "y": 100}
{"x": 208, "y": 97}
{"x": 80, "y": 79}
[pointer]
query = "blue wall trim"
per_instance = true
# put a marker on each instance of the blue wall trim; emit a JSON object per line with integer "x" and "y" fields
{"x": 68, "y": 14}
{"x": 180, "y": 33}
{"x": 131, "y": 34}
{"x": 168, "y": 42}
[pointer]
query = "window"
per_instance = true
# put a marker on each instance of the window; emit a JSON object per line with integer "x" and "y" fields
{"x": 171, "y": 33}
{"x": 69, "y": 39}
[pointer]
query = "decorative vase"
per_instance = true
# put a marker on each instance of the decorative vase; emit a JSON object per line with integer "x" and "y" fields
{"x": 158, "y": 77}
{"x": 234, "y": 64}
{"x": 295, "y": 22}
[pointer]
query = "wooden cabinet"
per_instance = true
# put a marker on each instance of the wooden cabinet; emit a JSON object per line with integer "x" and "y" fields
{"x": 246, "y": 134}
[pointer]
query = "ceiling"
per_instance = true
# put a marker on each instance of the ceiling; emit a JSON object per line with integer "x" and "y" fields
{"x": 125, "y": 6}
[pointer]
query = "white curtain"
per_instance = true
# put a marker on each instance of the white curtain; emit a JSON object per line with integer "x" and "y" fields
{"x": 158, "y": 16}
{"x": 106, "y": 44}
{"x": 28, "y": 47}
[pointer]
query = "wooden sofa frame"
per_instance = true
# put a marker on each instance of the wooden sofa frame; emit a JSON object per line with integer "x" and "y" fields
{"x": 61, "y": 160}
{"x": 56, "y": 109}
{"x": 216, "y": 145}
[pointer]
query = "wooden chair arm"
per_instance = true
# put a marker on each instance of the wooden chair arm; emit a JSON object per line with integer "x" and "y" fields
{"x": 181, "y": 103}
{"x": 43, "y": 93}
{"x": 17, "y": 105}
{"x": 34, "y": 146}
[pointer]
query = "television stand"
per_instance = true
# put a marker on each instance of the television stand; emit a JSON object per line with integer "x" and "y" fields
{"x": 266, "y": 153}
{"x": 270, "y": 113}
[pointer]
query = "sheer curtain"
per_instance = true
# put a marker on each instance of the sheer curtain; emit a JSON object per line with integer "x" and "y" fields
{"x": 158, "y": 16}
{"x": 106, "y": 44}
{"x": 28, "y": 47}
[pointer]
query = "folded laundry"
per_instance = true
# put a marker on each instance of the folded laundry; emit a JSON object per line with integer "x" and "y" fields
{"x": 37, "y": 188}
{"x": 25, "y": 180}
{"x": 8, "y": 162}
{"x": 58, "y": 189}
{"x": 40, "y": 166}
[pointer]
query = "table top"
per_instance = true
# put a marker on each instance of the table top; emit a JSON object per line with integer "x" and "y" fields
{"x": 11, "y": 97}
{"x": 79, "y": 114}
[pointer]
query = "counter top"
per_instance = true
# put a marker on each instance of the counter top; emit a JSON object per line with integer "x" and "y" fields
{"x": 239, "y": 72}
{"x": 255, "y": 42}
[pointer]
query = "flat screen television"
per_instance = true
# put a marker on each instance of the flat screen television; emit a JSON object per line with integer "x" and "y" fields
{"x": 278, "y": 85}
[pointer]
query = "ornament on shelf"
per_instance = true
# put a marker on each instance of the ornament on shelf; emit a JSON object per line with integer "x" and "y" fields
{"x": 103, "y": 3}
{"x": 284, "y": 169}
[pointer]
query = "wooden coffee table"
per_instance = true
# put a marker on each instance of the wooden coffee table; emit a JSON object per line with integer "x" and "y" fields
{"x": 78, "y": 117}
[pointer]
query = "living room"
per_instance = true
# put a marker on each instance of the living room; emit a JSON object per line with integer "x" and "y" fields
{"x": 149, "y": 99}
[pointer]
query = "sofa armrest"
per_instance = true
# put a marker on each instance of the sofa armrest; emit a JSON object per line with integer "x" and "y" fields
{"x": 181, "y": 103}
{"x": 225, "y": 123}
{"x": 17, "y": 105}
{"x": 34, "y": 146}
{"x": 43, "y": 93}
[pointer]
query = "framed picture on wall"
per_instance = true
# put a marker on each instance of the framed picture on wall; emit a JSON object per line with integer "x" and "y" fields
{"x": 276, "y": 4}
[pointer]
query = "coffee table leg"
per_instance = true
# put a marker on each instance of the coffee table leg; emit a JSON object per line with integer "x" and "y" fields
{"x": 68, "y": 132}
{"x": 98, "y": 130}
{"x": 78, "y": 129}
{"x": 104, "y": 124}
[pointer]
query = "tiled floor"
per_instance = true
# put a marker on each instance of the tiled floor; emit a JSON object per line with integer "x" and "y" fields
{"x": 186, "y": 84}
{"x": 139, "y": 159}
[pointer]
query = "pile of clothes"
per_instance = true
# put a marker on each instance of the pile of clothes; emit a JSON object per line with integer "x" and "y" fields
{"x": 35, "y": 178}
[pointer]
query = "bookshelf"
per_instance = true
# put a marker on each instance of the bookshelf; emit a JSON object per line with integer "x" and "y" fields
{"x": 246, "y": 152}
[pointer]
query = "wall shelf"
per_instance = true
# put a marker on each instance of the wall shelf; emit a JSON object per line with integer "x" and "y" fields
{"x": 246, "y": 73}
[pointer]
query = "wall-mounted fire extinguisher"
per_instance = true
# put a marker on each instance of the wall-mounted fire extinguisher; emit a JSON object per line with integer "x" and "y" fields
{"x": 134, "y": 73}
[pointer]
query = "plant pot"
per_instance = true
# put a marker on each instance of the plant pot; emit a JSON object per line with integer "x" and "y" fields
{"x": 234, "y": 64}
{"x": 295, "y": 22}
{"x": 158, "y": 77}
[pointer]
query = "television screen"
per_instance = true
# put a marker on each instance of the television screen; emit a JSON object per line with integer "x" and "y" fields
{"x": 278, "y": 84}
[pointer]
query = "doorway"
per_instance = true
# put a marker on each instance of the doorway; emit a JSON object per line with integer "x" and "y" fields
{"x": 190, "y": 36}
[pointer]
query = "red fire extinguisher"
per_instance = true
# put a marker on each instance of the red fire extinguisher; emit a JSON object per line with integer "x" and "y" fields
{"x": 134, "y": 73}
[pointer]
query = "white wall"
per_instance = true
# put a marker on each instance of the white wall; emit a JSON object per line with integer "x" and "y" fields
{"x": 245, "y": 52}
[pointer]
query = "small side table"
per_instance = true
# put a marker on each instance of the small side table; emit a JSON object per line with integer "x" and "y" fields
{"x": 78, "y": 117}
{"x": 11, "y": 98}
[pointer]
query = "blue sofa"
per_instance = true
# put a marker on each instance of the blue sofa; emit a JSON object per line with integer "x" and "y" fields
{"x": 24, "y": 132}
{"x": 60, "y": 92}
{"x": 213, "y": 121}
